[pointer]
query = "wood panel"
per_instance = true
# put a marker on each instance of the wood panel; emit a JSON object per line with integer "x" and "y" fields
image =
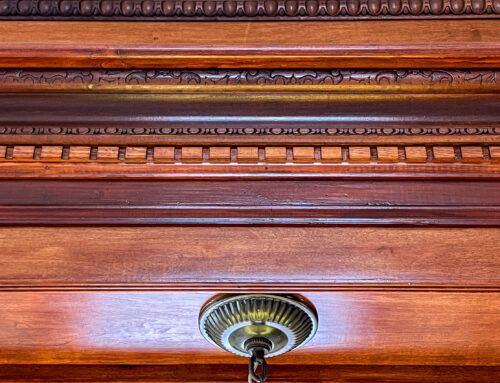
{"x": 398, "y": 44}
{"x": 386, "y": 328}
{"x": 247, "y": 257}
{"x": 313, "y": 202}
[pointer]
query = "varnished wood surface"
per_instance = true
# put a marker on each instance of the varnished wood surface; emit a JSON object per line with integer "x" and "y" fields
{"x": 162, "y": 257}
{"x": 188, "y": 373}
{"x": 453, "y": 171}
{"x": 245, "y": 113}
{"x": 321, "y": 202}
{"x": 387, "y": 328}
{"x": 132, "y": 210}
{"x": 448, "y": 44}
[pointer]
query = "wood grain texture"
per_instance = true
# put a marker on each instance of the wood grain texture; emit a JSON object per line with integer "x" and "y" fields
{"x": 269, "y": 154}
{"x": 272, "y": 171}
{"x": 80, "y": 256}
{"x": 385, "y": 328}
{"x": 342, "y": 202}
{"x": 372, "y": 44}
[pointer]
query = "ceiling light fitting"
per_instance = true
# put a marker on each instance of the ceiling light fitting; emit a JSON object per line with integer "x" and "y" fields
{"x": 258, "y": 326}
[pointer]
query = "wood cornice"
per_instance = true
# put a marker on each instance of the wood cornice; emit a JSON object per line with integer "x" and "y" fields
{"x": 249, "y": 114}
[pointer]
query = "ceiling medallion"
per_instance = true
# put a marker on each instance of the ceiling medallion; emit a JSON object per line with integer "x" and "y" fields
{"x": 258, "y": 326}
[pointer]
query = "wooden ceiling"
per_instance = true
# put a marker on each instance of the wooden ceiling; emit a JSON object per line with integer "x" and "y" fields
{"x": 146, "y": 167}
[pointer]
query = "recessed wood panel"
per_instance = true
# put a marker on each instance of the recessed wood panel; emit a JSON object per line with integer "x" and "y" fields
{"x": 255, "y": 256}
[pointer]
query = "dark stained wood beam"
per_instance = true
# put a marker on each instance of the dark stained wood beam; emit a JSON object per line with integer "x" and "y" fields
{"x": 191, "y": 373}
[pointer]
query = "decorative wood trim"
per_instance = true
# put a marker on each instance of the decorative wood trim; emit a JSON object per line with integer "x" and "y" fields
{"x": 269, "y": 10}
{"x": 10, "y": 133}
{"x": 253, "y": 80}
{"x": 249, "y": 162}
{"x": 261, "y": 155}
{"x": 249, "y": 114}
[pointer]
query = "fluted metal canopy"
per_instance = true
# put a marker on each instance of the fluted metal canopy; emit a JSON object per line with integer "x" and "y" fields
{"x": 238, "y": 322}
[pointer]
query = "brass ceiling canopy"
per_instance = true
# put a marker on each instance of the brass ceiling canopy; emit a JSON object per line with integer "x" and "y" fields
{"x": 258, "y": 326}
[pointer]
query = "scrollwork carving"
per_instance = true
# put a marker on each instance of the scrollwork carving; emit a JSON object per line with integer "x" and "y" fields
{"x": 107, "y": 77}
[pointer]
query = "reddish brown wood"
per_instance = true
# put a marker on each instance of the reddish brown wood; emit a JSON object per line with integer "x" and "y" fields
{"x": 386, "y": 328}
{"x": 206, "y": 45}
{"x": 236, "y": 372}
{"x": 120, "y": 197}
{"x": 369, "y": 202}
{"x": 161, "y": 171}
{"x": 266, "y": 256}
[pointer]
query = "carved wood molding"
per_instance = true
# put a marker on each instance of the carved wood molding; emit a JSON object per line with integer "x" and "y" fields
{"x": 257, "y": 80}
{"x": 247, "y": 114}
{"x": 246, "y": 9}
{"x": 251, "y": 131}
{"x": 249, "y": 162}
{"x": 252, "y": 154}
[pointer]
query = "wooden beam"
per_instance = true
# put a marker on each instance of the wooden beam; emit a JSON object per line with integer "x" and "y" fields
{"x": 346, "y": 44}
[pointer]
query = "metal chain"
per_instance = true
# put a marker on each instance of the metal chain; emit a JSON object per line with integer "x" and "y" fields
{"x": 257, "y": 360}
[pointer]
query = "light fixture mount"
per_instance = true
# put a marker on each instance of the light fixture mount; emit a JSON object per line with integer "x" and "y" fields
{"x": 258, "y": 326}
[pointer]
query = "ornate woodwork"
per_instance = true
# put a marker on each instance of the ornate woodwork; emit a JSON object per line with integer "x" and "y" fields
{"x": 146, "y": 167}
{"x": 273, "y": 10}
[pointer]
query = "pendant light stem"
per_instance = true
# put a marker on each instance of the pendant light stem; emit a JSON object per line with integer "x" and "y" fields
{"x": 257, "y": 361}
